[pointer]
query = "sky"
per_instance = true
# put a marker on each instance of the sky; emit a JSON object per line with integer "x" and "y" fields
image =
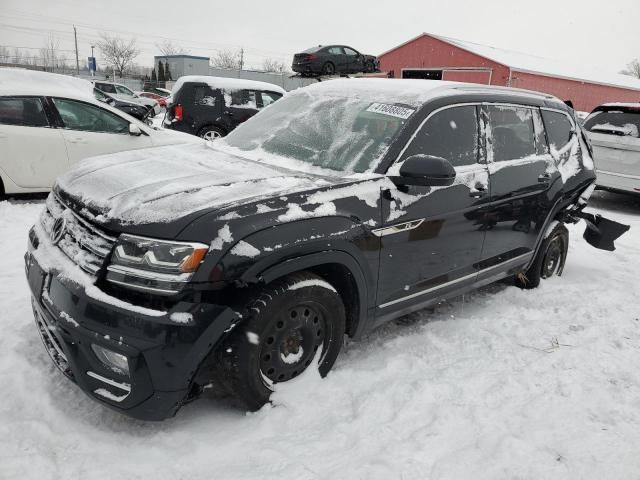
{"x": 600, "y": 34}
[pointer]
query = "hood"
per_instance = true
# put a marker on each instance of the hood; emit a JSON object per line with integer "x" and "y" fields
{"x": 163, "y": 185}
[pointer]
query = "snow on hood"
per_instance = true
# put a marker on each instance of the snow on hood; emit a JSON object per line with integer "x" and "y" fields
{"x": 18, "y": 81}
{"x": 165, "y": 183}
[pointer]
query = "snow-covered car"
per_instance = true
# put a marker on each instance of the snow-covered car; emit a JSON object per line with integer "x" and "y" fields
{"x": 125, "y": 93}
{"x": 211, "y": 107}
{"x": 341, "y": 206}
{"x": 49, "y": 122}
{"x": 614, "y": 131}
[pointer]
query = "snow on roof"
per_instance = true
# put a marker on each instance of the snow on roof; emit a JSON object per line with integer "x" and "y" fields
{"x": 527, "y": 63}
{"x": 621, "y": 104}
{"x": 227, "y": 83}
{"x": 19, "y": 81}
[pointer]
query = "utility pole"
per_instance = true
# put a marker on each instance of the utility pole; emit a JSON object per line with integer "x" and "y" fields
{"x": 75, "y": 35}
{"x": 241, "y": 60}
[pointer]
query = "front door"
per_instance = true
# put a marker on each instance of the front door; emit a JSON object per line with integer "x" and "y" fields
{"x": 90, "y": 130}
{"x": 32, "y": 153}
{"x": 432, "y": 237}
{"x": 524, "y": 180}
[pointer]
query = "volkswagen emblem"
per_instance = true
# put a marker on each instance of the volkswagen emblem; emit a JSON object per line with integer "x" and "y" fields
{"x": 58, "y": 230}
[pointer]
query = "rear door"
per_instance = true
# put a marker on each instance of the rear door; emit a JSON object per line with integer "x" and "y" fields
{"x": 32, "y": 152}
{"x": 89, "y": 130}
{"x": 432, "y": 237}
{"x": 338, "y": 58}
{"x": 241, "y": 106}
{"x": 523, "y": 180}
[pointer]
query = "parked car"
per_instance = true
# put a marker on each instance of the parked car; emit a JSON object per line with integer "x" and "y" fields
{"x": 333, "y": 59}
{"x": 125, "y": 93}
{"x": 341, "y": 206}
{"x": 49, "y": 122}
{"x": 162, "y": 100}
{"x": 614, "y": 132}
{"x": 135, "y": 110}
{"x": 211, "y": 107}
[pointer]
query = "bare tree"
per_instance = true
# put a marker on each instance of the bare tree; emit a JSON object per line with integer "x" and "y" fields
{"x": 633, "y": 68}
{"x": 17, "y": 55}
{"x": 167, "y": 47}
{"x": 274, "y": 65}
{"x": 4, "y": 54}
{"x": 227, "y": 59}
{"x": 49, "y": 52}
{"x": 117, "y": 52}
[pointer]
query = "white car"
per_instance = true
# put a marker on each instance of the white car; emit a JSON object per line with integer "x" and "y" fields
{"x": 48, "y": 122}
{"x": 614, "y": 131}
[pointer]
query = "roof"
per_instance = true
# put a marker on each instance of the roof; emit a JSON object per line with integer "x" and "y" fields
{"x": 19, "y": 81}
{"x": 527, "y": 63}
{"x": 228, "y": 83}
{"x": 411, "y": 91}
{"x": 195, "y": 57}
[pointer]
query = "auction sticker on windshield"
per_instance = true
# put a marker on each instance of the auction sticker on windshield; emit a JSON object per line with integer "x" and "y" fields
{"x": 391, "y": 110}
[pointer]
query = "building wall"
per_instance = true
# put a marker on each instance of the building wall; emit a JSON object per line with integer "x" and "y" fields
{"x": 429, "y": 52}
{"x": 585, "y": 96}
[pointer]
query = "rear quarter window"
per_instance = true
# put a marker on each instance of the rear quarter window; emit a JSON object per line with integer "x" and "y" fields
{"x": 558, "y": 127}
{"x": 25, "y": 112}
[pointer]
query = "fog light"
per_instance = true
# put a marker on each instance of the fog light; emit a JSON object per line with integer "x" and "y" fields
{"x": 115, "y": 361}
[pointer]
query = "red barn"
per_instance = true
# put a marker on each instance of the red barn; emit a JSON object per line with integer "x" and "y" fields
{"x": 435, "y": 57}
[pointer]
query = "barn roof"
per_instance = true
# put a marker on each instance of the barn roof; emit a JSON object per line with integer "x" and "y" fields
{"x": 523, "y": 62}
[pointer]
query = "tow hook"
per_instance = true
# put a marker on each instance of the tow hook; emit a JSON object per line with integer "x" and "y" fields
{"x": 600, "y": 232}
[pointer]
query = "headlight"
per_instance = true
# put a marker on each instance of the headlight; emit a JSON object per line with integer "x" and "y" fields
{"x": 154, "y": 265}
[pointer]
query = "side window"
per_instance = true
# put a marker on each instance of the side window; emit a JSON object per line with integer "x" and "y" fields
{"x": 269, "y": 97}
{"x": 89, "y": 118}
{"x": 26, "y": 112}
{"x": 349, "y": 51}
{"x": 451, "y": 134}
{"x": 204, "y": 95}
{"x": 243, "y": 99}
{"x": 124, "y": 91}
{"x": 335, "y": 51}
{"x": 559, "y": 128}
{"x": 512, "y": 133}
{"x": 106, "y": 87}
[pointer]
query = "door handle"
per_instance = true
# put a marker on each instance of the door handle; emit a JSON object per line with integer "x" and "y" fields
{"x": 544, "y": 178}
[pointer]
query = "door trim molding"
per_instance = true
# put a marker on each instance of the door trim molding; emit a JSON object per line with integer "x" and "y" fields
{"x": 397, "y": 228}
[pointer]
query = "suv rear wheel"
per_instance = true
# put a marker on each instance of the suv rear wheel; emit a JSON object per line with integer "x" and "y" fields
{"x": 549, "y": 260}
{"x": 291, "y": 324}
{"x": 211, "y": 133}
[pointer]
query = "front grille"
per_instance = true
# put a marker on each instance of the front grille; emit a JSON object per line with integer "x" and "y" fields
{"x": 51, "y": 343}
{"x": 84, "y": 243}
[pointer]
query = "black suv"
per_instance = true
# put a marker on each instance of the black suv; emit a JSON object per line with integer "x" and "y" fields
{"x": 241, "y": 263}
{"x": 333, "y": 59}
{"x": 211, "y": 107}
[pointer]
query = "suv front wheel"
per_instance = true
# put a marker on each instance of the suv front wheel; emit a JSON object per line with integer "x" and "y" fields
{"x": 292, "y": 324}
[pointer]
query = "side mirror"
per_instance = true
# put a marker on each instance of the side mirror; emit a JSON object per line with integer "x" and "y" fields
{"x": 427, "y": 171}
{"x": 134, "y": 130}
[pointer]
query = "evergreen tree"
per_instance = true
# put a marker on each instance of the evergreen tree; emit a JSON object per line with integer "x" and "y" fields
{"x": 160, "y": 72}
{"x": 153, "y": 75}
{"x": 167, "y": 73}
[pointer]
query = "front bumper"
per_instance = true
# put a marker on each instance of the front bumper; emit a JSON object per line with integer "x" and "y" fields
{"x": 163, "y": 354}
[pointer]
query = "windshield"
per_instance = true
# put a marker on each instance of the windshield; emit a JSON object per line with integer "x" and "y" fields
{"x": 346, "y": 134}
{"x": 614, "y": 122}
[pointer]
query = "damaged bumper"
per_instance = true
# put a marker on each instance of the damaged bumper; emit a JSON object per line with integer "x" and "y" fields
{"x": 161, "y": 356}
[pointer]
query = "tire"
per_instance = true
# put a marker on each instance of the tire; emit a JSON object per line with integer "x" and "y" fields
{"x": 211, "y": 133}
{"x": 549, "y": 260}
{"x": 328, "y": 69}
{"x": 282, "y": 330}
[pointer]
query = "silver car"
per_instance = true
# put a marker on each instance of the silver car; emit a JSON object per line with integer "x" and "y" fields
{"x": 614, "y": 131}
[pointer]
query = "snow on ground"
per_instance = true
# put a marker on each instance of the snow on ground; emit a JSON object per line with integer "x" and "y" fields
{"x": 502, "y": 384}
